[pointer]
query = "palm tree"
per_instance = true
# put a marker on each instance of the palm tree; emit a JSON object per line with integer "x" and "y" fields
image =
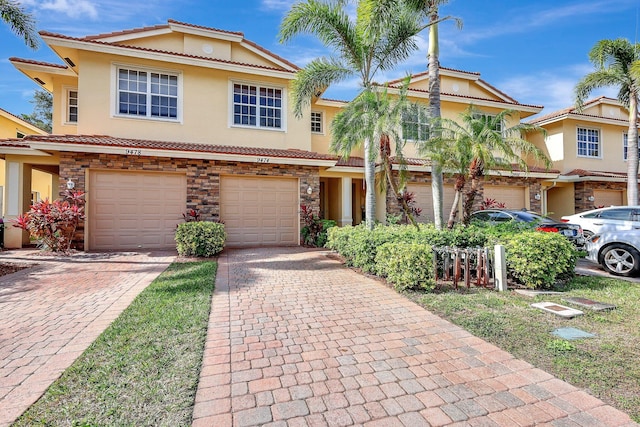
{"x": 480, "y": 141}
{"x": 430, "y": 9}
{"x": 617, "y": 63}
{"x": 380, "y": 36}
{"x": 375, "y": 116}
{"x": 21, "y": 23}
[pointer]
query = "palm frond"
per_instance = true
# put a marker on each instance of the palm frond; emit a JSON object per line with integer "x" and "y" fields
{"x": 20, "y": 22}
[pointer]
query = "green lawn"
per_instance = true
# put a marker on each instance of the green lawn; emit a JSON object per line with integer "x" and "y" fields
{"x": 606, "y": 365}
{"x": 144, "y": 369}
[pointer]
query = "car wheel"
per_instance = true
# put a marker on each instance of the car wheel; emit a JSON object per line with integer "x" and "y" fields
{"x": 621, "y": 260}
{"x": 587, "y": 234}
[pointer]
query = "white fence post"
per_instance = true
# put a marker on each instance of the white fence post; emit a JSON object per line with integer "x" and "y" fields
{"x": 500, "y": 269}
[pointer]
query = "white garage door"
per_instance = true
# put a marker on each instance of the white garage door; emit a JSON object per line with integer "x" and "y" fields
{"x": 424, "y": 200}
{"x": 134, "y": 210}
{"x": 260, "y": 211}
{"x": 607, "y": 198}
{"x": 512, "y": 197}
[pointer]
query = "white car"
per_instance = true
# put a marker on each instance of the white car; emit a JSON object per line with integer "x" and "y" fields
{"x": 617, "y": 251}
{"x": 613, "y": 218}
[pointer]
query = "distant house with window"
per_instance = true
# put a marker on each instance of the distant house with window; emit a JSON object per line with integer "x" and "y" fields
{"x": 589, "y": 148}
{"x": 154, "y": 121}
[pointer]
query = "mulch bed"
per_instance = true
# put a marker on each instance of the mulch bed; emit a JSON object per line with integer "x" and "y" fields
{"x": 6, "y": 268}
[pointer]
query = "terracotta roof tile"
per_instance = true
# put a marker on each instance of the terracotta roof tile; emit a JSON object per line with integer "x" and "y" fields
{"x": 573, "y": 110}
{"x": 424, "y": 73}
{"x": 124, "y": 32}
{"x": 109, "y": 141}
{"x": 257, "y": 46}
{"x": 31, "y": 61}
{"x": 13, "y": 143}
{"x": 143, "y": 49}
{"x": 202, "y": 27}
{"x": 601, "y": 174}
{"x": 353, "y": 162}
{"x": 457, "y": 95}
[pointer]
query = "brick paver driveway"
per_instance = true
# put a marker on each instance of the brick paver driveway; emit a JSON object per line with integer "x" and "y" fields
{"x": 50, "y": 313}
{"x": 295, "y": 339}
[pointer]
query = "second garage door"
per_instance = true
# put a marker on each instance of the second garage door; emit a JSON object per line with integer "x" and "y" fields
{"x": 512, "y": 197}
{"x": 607, "y": 198}
{"x": 260, "y": 211}
{"x": 134, "y": 210}
{"x": 424, "y": 200}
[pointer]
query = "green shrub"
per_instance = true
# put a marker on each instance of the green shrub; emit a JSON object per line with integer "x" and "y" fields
{"x": 406, "y": 265}
{"x": 539, "y": 260}
{"x": 200, "y": 238}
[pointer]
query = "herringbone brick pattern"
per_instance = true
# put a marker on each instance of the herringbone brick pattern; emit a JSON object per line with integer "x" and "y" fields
{"x": 295, "y": 339}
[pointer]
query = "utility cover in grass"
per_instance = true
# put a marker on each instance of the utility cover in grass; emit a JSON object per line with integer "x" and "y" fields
{"x": 572, "y": 333}
{"x": 557, "y": 309}
{"x": 590, "y": 304}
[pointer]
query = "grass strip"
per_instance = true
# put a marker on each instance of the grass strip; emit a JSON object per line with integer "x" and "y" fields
{"x": 606, "y": 365}
{"x": 144, "y": 369}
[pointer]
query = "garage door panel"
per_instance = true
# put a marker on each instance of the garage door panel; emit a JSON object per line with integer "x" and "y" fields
{"x": 607, "y": 198}
{"x": 424, "y": 200}
{"x": 259, "y": 210}
{"x": 134, "y": 210}
{"x": 512, "y": 196}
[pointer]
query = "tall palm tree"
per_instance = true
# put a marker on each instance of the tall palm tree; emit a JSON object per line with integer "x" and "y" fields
{"x": 617, "y": 63}
{"x": 430, "y": 8}
{"x": 481, "y": 141}
{"x": 374, "y": 115}
{"x": 380, "y": 36}
{"x": 21, "y": 23}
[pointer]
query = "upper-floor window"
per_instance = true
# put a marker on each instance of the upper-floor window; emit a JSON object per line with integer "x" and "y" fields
{"x": 147, "y": 94}
{"x": 19, "y": 134}
{"x": 257, "y": 106}
{"x": 625, "y": 144}
{"x": 316, "y": 122}
{"x": 415, "y": 125}
{"x": 72, "y": 106}
{"x": 498, "y": 125}
{"x": 588, "y": 142}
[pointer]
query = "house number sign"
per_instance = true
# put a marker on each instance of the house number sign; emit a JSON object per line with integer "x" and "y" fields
{"x": 132, "y": 152}
{"x": 263, "y": 160}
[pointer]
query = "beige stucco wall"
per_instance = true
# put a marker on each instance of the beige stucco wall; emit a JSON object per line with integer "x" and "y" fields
{"x": 60, "y": 125}
{"x": 560, "y": 200}
{"x": 9, "y": 128}
{"x": 206, "y": 106}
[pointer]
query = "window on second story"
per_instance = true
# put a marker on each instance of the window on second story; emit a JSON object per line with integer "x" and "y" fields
{"x": 147, "y": 94}
{"x": 316, "y": 122}
{"x": 19, "y": 134}
{"x": 72, "y": 106}
{"x": 257, "y": 106}
{"x": 625, "y": 144}
{"x": 588, "y": 142}
{"x": 415, "y": 125}
{"x": 499, "y": 126}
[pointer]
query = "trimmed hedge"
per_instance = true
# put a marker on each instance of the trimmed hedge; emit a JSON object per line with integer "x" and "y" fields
{"x": 535, "y": 259}
{"x": 200, "y": 238}
{"x": 392, "y": 260}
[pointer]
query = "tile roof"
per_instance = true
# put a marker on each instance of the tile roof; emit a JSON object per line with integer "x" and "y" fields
{"x": 202, "y": 27}
{"x": 425, "y": 73}
{"x": 353, "y": 162}
{"x": 144, "y": 49}
{"x": 109, "y": 141}
{"x": 573, "y": 110}
{"x": 457, "y": 95}
{"x": 125, "y": 32}
{"x": 599, "y": 174}
{"x": 13, "y": 143}
{"x": 31, "y": 61}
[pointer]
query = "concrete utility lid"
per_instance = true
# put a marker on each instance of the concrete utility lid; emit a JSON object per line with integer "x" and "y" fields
{"x": 590, "y": 304}
{"x": 572, "y": 333}
{"x": 557, "y": 309}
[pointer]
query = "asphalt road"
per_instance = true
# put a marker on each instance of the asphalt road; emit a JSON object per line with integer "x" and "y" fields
{"x": 587, "y": 268}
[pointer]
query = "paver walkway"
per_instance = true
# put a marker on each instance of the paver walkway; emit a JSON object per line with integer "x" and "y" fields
{"x": 295, "y": 339}
{"x": 50, "y": 313}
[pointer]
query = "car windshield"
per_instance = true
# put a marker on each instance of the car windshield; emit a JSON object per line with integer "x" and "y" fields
{"x": 532, "y": 217}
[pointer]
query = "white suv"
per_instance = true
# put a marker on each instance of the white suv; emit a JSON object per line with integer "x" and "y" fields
{"x": 613, "y": 218}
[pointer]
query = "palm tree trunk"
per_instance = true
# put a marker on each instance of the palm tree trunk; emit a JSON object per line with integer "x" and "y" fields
{"x": 385, "y": 158}
{"x": 632, "y": 151}
{"x": 437, "y": 181}
{"x": 460, "y": 181}
{"x": 370, "y": 183}
{"x": 476, "y": 172}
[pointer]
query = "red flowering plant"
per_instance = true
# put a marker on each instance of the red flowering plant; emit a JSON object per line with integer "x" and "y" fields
{"x": 53, "y": 224}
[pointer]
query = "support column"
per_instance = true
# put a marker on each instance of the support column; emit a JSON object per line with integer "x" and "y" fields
{"x": 347, "y": 206}
{"x": 18, "y": 200}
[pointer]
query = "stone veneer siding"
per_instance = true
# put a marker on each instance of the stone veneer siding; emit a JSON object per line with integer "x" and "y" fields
{"x": 203, "y": 177}
{"x": 534, "y": 185}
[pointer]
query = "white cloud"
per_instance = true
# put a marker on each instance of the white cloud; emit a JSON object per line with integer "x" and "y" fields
{"x": 278, "y": 4}
{"x": 72, "y": 8}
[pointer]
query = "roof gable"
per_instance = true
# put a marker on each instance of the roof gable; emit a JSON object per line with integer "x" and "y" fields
{"x": 600, "y": 110}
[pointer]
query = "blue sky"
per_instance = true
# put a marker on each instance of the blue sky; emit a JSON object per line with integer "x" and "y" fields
{"x": 535, "y": 51}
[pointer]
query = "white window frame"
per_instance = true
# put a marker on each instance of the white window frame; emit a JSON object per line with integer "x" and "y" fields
{"x": 321, "y": 122}
{"x": 625, "y": 138}
{"x": 481, "y": 114}
{"x": 419, "y": 123}
{"x": 586, "y": 156}
{"x": 258, "y": 85}
{"x": 66, "y": 105}
{"x": 115, "y": 101}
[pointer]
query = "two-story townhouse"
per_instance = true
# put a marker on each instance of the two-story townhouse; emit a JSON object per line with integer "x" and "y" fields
{"x": 154, "y": 121}
{"x": 41, "y": 184}
{"x": 589, "y": 148}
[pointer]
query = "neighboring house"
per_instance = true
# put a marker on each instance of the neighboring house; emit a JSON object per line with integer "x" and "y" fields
{"x": 41, "y": 182}
{"x": 589, "y": 148}
{"x": 154, "y": 121}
